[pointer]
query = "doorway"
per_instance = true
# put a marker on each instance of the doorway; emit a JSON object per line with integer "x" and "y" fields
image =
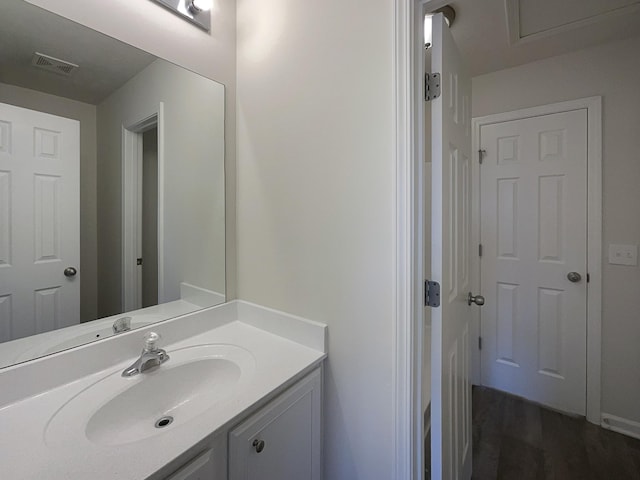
{"x": 149, "y": 217}
{"x": 143, "y": 211}
{"x": 537, "y": 224}
{"x": 408, "y": 99}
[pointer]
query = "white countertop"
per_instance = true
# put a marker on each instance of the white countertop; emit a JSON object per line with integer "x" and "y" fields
{"x": 24, "y": 453}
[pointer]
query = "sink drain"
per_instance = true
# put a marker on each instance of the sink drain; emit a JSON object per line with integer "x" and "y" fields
{"x": 164, "y": 421}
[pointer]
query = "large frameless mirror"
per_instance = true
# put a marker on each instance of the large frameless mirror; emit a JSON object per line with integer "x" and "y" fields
{"x": 111, "y": 186}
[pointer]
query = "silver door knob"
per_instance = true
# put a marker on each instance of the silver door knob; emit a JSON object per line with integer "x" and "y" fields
{"x": 574, "y": 277}
{"x": 70, "y": 272}
{"x": 477, "y": 299}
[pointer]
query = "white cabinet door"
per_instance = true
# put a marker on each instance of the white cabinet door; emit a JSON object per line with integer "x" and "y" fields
{"x": 282, "y": 440}
{"x": 39, "y": 222}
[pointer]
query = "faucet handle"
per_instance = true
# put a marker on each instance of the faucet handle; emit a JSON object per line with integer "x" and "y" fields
{"x": 150, "y": 340}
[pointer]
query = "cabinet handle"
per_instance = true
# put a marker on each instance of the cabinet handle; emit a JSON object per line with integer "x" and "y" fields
{"x": 259, "y": 445}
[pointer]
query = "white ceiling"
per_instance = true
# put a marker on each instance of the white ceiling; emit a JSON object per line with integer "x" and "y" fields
{"x": 497, "y": 34}
{"x": 491, "y": 34}
{"x": 105, "y": 63}
{"x": 537, "y": 16}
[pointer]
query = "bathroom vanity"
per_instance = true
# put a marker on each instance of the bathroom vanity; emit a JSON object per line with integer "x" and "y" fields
{"x": 238, "y": 398}
{"x": 112, "y": 226}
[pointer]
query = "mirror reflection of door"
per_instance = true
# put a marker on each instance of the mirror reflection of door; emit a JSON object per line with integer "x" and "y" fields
{"x": 39, "y": 222}
{"x": 149, "y": 220}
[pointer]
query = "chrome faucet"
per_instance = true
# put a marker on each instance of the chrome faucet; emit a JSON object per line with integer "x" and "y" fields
{"x": 122, "y": 325}
{"x": 151, "y": 356}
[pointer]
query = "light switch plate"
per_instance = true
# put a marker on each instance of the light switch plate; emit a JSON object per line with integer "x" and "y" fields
{"x": 623, "y": 255}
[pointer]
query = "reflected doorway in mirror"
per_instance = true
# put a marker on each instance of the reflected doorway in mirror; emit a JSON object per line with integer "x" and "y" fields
{"x": 134, "y": 240}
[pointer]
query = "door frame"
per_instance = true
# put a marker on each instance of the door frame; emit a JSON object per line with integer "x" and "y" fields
{"x": 131, "y": 205}
{"x": 408, "y": 141}
{"x": 593, "y": 105}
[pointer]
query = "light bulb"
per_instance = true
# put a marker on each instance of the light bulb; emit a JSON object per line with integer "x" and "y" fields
{"x": 201, "y": 5}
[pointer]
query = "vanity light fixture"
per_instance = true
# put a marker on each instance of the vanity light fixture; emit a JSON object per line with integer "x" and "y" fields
{"x": 198, "y": 6}
{"x": 197, "y": 12}
{"x": 449, "y": 16}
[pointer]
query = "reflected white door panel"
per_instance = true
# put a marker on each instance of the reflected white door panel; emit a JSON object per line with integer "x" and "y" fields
{"x": 39, "y": 222}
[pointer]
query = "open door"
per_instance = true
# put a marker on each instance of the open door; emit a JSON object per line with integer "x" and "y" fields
{"x": 450, "y": 260}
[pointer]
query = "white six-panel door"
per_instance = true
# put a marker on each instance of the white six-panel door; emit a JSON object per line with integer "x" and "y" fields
{"x": 533, "y": 189}
{"x": 450, "y": 261}
{"x": 39, "y": 222}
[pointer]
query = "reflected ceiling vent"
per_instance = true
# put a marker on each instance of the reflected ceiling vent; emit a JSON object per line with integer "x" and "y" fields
{"x": 52, "y": 64}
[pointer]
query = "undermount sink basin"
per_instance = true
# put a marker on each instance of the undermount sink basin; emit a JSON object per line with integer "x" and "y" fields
{"x": 117, "y": 410}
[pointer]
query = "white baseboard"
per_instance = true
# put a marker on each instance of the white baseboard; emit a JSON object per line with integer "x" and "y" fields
{"x": 200, "y": 296}
{"x": 621, "y": 425}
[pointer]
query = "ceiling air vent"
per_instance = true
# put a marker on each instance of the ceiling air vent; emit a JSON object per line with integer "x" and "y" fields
{"x": 52, "y": 64}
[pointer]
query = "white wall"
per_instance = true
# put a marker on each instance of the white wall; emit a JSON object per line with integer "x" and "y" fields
{"x": 316, "y": 201}
{"x": 613, "y": 71}
{"x": 86, "y": 115}
{"x": 193, "y": 172}
{"x": 149, "y": 26}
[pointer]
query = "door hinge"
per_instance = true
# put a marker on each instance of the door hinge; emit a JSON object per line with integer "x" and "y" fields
{"x": 480, "y": 250}
{"x": 481, "y": 154}
{"x": 588, "y": 277}
{"x": 139, "y": 261}
{"x": 431, "y": 86}
{"x": 431, "y": 294}
{"x": 479, "y": 343}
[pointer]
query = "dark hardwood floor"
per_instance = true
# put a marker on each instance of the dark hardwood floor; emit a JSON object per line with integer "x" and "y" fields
{"x": 517, "y": 440}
